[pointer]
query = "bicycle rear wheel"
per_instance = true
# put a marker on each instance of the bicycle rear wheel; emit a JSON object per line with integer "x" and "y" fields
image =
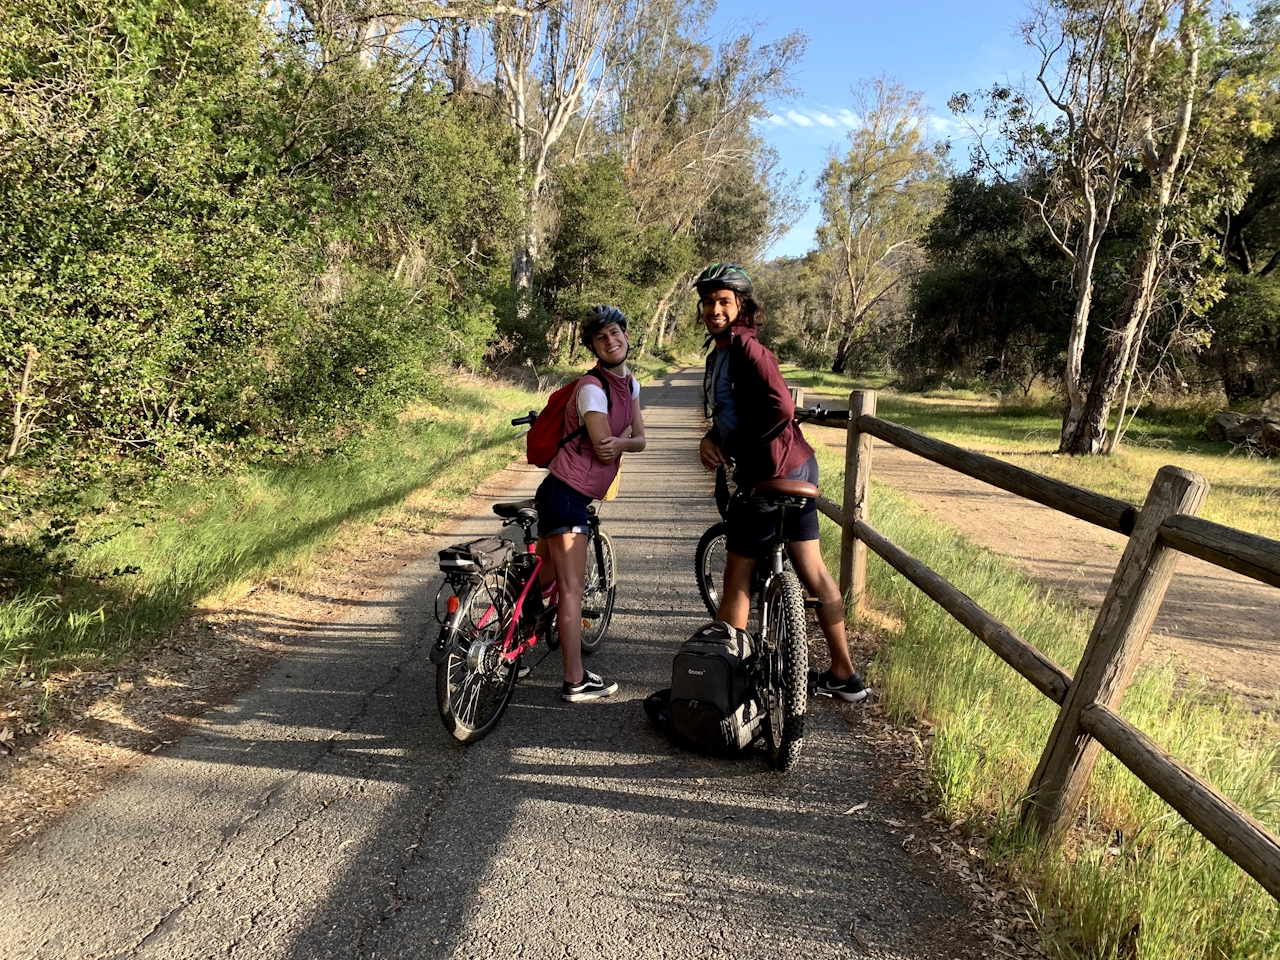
{"x": 473, "y": 684}
{"x": 785, "y": 659}
{"x": 708, "y": 565}
{"x": 601, "y": 589}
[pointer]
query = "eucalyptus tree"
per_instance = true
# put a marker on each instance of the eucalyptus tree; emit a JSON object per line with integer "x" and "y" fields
{"x": 547, "y": 55}
{"x": 679, "y": 109}
{"x": 1119, "y": 91}
{"x": 877, "y": 200}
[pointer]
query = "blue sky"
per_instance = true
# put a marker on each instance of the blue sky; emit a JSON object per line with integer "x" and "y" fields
{"x": 934, "y": 46}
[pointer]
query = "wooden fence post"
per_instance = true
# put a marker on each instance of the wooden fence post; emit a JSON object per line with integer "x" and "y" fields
{"x": 797, "y": 396}
{"x": 857, "y": 484}
{"x": 1111, "y": 655}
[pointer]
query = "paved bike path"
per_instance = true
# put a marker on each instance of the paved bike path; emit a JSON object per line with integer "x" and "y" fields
{"x": 326, "y": 813}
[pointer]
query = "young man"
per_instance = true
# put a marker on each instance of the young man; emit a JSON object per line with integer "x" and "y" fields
{"x": 581, "y": 472}
{"x": 753, "y": 428}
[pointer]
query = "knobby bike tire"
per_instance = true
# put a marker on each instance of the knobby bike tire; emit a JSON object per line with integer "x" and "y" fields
{"x": 474, "y": 683}
{"x": 601, "y": 588}
{"x": 708, "y": 565}
{"x": 787, "y": 650}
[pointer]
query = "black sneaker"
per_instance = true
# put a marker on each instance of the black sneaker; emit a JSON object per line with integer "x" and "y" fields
{"x": 522, "y": 668}
{"x": 592, "y": 687}
{"x": 851, "y": 690}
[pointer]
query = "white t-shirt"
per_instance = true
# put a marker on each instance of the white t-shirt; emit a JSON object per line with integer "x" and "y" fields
{"x": 591, "y": 398}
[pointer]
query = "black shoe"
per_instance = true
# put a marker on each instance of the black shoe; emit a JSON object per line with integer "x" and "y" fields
{"x": 851, "y": 690}
{"x": 592, "y": 687}
{"x": 522, "y": 668}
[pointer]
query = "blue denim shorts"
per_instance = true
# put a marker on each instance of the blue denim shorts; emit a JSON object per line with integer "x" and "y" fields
{"x": 752, "y": 522}
{"x": 561, "y": 509}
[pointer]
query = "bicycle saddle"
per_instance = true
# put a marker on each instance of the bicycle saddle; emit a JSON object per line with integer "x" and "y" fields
{"x": 516, "y": 509}
{"x": 785, "y": 488}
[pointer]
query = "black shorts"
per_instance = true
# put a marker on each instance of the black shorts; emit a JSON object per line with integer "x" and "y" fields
{"x": 752, "y": 522}
{"x": 561, "y": 509}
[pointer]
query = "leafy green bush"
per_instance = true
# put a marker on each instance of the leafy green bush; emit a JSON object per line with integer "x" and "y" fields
{"x": 219, "y": 248}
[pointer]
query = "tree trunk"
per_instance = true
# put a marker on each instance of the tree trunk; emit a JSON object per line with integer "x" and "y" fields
{"x": 657, "y": 315}
{"x": 1091, "y": 429}
{"x": 842, "y": 355}
{"x": 1116, "y": 435}
{"x": 1075, "y": 344}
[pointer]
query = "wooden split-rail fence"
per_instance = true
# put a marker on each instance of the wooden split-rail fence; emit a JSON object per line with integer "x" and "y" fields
{"x": 1089, "y": 699}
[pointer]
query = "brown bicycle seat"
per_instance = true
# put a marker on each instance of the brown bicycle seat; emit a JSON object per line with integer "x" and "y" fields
{"x": 785, "y": 488}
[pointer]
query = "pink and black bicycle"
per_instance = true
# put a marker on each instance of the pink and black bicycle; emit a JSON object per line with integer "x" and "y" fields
{"x": 495, "y": 616}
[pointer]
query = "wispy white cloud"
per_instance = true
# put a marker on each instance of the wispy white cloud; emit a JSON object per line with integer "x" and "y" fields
{"x": 820, "y": 115}
{"x": 942, "y": 125}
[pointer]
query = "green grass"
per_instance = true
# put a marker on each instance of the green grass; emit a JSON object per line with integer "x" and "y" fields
{"x": 1244, "y": 491}
{"x": 824, "y": 381}
{"x": 200, "y": 540}
{"x": 209, "y": 541}
{"x": 1185, "y": 898}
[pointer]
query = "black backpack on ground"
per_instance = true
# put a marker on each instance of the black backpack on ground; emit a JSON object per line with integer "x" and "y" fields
{"x": 711, "y": 705}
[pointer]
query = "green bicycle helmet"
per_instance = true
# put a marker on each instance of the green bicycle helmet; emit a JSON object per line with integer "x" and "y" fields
{"x": 723, "y": 276}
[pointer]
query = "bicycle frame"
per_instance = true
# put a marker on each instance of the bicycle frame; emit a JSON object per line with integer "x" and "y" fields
{"x": 777, "y": 554}
{"x": 551, "y": 601}
{"x": 511, "y": 647}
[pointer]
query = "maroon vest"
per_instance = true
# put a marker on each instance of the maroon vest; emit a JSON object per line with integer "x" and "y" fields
{"x": 576, "y": 463}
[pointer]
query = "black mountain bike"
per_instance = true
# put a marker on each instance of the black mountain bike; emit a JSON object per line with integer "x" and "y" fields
{"x": 781, "y": 679}
{"x": 781, "y": 675}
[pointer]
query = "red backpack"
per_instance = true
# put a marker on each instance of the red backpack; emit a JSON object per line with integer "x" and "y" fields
{"x": 546, "y": 436}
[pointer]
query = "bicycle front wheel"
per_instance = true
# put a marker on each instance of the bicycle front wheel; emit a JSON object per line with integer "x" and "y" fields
{"x": 473, "y": 684}
{"x": 785, "y": 659}
{"x": 708, "y": 565}
{"x": 601, "y": 589}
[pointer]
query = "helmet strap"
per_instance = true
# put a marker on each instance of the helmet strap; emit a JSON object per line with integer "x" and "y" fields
{"x": 613, "y": 366}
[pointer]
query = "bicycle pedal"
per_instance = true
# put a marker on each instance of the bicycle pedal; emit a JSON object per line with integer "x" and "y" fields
{"x": 813, "y": 603}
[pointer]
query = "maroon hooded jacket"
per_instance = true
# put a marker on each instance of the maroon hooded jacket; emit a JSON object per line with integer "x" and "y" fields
{"x": 767, "y": 444}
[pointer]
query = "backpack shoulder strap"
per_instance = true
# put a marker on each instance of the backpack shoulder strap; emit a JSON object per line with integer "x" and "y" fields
{"x": 573, "y": 398}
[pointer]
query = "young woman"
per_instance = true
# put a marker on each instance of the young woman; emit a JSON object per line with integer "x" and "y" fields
{"x": 753, "y": 428}
{"x": 581, "y": 472}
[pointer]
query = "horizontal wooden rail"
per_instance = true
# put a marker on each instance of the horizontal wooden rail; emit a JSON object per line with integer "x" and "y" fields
{"x": 1045, "y": 675}
{"x": 1245, "y": 553}
{"x": 1076, "y": 501}
{"x": 831, "y": 510}
{"x": 1229, "y": 828}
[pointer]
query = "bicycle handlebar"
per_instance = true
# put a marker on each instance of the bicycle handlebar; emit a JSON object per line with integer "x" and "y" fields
{"x": 817, "y": 414}
{"x": 533, "y": 415}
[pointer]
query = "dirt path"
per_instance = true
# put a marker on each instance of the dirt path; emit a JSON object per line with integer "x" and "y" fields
{"x": 1220, "y": 624}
